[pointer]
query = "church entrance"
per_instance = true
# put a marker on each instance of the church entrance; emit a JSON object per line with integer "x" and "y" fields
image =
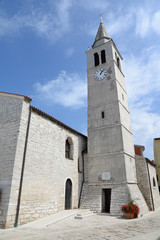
{"x": 68, "y": 194}
{"x": 106, "y": 200}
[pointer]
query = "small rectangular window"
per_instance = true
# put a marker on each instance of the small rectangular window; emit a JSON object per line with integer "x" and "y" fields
{"x": 96, "y": 59}
{"x": 102, "y": 113}
{"x": 103, "y": 56}
{"x": 118, "y": 63}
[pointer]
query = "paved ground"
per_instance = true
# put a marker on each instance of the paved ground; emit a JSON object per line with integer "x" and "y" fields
{"x": 63, "y": 226}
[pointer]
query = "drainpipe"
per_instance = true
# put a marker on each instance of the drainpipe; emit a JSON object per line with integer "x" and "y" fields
{"x": 150, "y": 187}
{"x": 82, "y": 180}
{"x": 22, "y": 170}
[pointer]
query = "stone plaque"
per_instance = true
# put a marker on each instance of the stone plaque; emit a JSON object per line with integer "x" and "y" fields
{"x": 106, "y": 176}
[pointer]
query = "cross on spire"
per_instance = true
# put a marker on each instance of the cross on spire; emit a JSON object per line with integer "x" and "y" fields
{"x": 101, "y": 15}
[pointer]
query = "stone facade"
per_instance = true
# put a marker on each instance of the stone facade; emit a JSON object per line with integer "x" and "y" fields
{"x": 46, "y": 168}
{"x": 13, "y": 119}
{"x": 146, "y": 176}
{"x": 153, "y": 184}
{"x": 143, "y": 180}
{"x": 157, "y": 159}
{"x": 111, "y": 179}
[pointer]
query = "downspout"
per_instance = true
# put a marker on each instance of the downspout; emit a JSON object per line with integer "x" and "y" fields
{"x": 22, "y": 170}
{"x": 82, "y": 180}
{"x": 150, "y": 187}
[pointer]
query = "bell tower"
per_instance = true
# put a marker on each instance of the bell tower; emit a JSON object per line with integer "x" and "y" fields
{"x": 111, "y": 177}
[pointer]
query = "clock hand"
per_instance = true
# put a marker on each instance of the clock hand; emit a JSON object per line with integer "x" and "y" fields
{"x": 101, "y": 71}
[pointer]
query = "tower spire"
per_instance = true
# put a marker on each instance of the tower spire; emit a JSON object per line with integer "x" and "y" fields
{"x": 102, "y": 35}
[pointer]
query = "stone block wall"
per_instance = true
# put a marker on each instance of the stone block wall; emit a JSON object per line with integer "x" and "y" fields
{"x": 13, "y": 123}
{"x": 120, "y": 194}
{"x": 157, "y": 158}
{"x": 154, "y": 186}
{"x": 47, "y": 169}
{"x": 143, "y": 180}
{"x": 146, "y": 172}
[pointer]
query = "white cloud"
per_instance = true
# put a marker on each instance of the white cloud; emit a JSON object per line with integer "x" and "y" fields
{"x": 9, "y": 25}
{"x": 69, "y": 52}
{"x": 52, "y": 24}
{"x": 143, "y": 86}
{"x": 143, "y": 22}
{"x": 69, "y": 90}
{"x": 118, "y": 24}
{"x": 95, "y": 5}
{"x": 147, "y": 21}
{"x": 143, "y": 73}
{"x": 156, "y": 22}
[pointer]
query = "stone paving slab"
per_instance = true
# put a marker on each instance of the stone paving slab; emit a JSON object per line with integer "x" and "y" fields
{"x": 63, "y": 226}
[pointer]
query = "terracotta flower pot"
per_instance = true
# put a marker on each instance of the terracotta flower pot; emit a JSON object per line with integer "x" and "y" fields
{"x": 135, "y": 215}
{"x": 129, "y": 215}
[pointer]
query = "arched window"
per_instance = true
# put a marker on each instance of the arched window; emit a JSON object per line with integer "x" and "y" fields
{"x": 118, "y": 61}
{"x": 96, "y": 59}
{"x": 68, "y": 194}
{"x": 69, "y": 148}
{"x": 103, "y": 56}
{"x": 154, "y": 182}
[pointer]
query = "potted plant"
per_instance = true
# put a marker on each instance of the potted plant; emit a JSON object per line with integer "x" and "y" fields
{"x": 131, "y": 210}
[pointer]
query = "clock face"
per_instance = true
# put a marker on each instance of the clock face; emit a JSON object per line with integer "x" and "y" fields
{"x": 100, "y": 74}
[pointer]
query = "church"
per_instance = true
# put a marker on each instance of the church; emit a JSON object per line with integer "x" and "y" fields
{"x": 46, "y": 166}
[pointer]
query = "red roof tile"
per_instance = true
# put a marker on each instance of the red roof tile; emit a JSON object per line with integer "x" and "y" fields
{"x": 56, "y": 121}
{"x": 28, "y": 99}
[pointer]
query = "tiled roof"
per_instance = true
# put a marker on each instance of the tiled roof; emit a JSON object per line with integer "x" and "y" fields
{"x": 56, "y": 121}
{"x": 151, "y": 162}
{"x": 28, "y": 99}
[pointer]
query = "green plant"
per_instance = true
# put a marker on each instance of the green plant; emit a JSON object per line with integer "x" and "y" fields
{"x": 130, "y": 208}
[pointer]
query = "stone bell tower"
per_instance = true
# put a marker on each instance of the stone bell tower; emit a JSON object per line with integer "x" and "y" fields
{"x": 110, "y": 175}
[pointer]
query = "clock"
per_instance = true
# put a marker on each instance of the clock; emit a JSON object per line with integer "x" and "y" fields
{"x": 100, "y": 74}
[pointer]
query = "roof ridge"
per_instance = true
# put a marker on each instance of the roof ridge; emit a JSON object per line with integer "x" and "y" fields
{"x": 15, "y": 94}
{"x": 56, "y": 120}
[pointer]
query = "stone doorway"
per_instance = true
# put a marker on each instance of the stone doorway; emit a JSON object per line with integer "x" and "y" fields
{"x": 68, "y": 194}
{"x": 106, "y": 200}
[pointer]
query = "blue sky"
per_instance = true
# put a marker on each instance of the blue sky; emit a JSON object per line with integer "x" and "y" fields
{"x": 42, "y": 55}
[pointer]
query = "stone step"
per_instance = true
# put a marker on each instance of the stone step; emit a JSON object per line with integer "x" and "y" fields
{"x": 84, "y": 214}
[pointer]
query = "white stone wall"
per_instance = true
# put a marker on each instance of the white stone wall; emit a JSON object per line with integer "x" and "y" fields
{"x": 120, "y": 194}
{"x": 13, "y": 122}
{"x": 110, "y": 140}
{"x": 154, "y": 189}
{"x": 47, "y": 169}
{"x": 145, "y": 174}
{"x": 143, "y": 180}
